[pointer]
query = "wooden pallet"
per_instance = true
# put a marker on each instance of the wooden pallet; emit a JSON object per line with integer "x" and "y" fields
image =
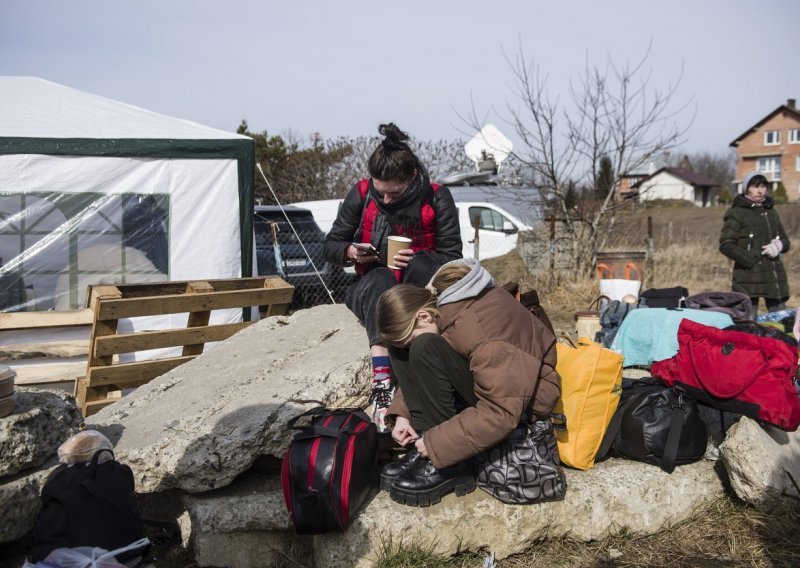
{"x": 106, "y": 377}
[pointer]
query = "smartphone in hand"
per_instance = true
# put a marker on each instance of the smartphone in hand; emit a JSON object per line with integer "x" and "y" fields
{"x": 366, "y": 247}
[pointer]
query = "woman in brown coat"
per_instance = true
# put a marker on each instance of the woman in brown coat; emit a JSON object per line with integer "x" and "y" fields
{"x": 471, "y": 362}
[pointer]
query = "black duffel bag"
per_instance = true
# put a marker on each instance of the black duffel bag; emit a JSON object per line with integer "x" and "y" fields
{"x": 328, "y": 469}
{"x": 655, "y": 424}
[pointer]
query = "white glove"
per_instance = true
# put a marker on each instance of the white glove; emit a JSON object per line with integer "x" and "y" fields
{"x": 796, "y": 329}
{"x": 773, "y": 249}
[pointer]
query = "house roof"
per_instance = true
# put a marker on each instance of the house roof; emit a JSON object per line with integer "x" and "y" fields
{"x": 688, "y": 176}
{"x": 31, "y": 107}
{"x": 781, "y": 109}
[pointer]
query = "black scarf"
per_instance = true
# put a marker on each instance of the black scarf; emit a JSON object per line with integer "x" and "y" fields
{"x": 402, "y": 215}
{"x": 742, "y": 200}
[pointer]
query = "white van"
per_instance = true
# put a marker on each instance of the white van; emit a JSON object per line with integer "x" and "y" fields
{"x": 324, "y": 211}
{"x": 497, "y": 228}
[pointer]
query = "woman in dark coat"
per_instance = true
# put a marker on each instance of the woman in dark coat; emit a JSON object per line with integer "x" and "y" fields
{"x": 753, "y": 237}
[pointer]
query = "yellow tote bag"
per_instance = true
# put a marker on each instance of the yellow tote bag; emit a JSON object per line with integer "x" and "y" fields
{"x": 591, "y": 384}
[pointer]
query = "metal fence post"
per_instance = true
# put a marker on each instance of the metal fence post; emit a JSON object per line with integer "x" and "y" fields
{"x": 650, "y": 250}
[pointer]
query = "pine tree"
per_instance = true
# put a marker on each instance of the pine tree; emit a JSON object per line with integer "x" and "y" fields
{"x": 605, "y": 177}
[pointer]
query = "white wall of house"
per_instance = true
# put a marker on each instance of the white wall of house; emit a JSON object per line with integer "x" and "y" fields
{"x": 667, "y": 186}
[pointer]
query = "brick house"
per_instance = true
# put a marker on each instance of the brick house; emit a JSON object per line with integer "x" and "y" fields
{"x": 772, "y": 146}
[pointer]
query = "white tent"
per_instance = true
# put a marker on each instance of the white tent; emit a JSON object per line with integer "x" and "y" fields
{"x": 94, "y": 190}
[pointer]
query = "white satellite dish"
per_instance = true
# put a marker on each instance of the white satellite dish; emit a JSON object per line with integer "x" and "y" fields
{"x": 489, "y": 143}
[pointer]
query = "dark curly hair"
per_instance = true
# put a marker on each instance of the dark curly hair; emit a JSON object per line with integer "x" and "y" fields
{"x": 392, "y": 160}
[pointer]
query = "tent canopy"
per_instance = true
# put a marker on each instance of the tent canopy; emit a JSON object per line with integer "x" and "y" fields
{"x": 83, "y": 176}
{"x": 34, "y": 108}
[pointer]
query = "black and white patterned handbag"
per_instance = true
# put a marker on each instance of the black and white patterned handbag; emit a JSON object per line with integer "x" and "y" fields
{"x": 523, "y": 468}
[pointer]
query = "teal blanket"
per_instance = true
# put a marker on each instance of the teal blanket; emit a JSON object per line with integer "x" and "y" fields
{"x": 651, "y": 334}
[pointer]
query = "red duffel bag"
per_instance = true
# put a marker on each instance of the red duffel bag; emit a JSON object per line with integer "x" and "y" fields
{"x": 735, "y": 371}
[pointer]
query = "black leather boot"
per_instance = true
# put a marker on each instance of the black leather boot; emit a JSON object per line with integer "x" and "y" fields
{"x": 424, "y": 485}
{"x": 392, "y": 470}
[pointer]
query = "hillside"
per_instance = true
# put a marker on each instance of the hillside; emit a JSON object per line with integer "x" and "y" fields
{"x": 686, "y": 253}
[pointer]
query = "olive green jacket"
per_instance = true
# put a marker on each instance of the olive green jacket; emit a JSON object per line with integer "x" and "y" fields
{"x": 747, "y": 228}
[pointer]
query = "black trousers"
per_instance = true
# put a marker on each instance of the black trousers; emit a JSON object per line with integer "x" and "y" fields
{"x": 435, "y": 380}
{"x": 362, "y": 297}
{"x": 773, "y": 305}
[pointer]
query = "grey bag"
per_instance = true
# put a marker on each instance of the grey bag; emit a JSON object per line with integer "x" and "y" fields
{"x": 735, "y": 304}
{"x": 611, "y": 318}
{"x": 523, "y": 468}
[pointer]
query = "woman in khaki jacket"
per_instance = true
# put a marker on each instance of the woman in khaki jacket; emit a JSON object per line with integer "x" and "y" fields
{"x": 471, "y": 362}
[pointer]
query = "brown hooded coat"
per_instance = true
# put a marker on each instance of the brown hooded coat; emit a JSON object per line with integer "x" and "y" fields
{"x": 512, "y": 357}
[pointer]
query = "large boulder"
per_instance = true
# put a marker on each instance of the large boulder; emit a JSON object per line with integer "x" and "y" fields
{"x": 757, "y": 459}
{"x": 615, "y": 495}
{"x": 20, "y": 502}
{"x": 246, "y": 524}
{"x": 200, "y": 425}
{"x": 42, "y": 421}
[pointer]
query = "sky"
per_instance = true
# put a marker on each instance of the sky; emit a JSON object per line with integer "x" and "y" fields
{"x": 340, "y": 68}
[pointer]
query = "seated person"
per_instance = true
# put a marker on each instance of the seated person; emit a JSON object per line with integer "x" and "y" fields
{"x": 470, "y": 363}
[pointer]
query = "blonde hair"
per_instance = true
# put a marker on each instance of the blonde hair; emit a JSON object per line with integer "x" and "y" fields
{"x": 397, "y": 311}
{"x": 448, "y": 275}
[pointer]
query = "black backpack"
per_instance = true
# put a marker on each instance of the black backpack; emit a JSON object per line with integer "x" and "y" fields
{"x": 94, "y": 504}
{"x": 329, "y": 468}
{"x": 91, "y": 504}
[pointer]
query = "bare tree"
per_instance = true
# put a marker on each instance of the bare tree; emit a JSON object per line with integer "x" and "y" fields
{"x": 439, "y": 158}
{"x": 299, "y": 170}
{"x": 612, "y": 112}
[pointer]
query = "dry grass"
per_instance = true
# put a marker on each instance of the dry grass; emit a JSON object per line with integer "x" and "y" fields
{"x": 720, "y": 533}
{"x": 685, "y": 254}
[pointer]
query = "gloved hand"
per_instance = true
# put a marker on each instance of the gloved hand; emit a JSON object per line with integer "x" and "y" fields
{"x": 796, "y": 328}
{"x": 773, "y": 249}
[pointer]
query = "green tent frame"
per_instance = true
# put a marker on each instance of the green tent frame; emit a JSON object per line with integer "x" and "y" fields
{"x": 241, "y": 150}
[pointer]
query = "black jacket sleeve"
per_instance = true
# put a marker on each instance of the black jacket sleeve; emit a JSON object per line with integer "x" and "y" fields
{"x": 784, "y": 238}
{"x": 729, "y": 242}
{"x": 344, "y": 228}
{"x": 448, "y": 230}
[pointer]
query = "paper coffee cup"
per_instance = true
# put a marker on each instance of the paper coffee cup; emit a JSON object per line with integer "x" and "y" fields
{"x": 395, "y": 245}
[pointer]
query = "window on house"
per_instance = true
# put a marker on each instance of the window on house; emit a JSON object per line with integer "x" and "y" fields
{"x": 772, "y": 137}
{"x": 770, "y": 165}
{"x": 794, "y": 136}
{"x": 797, "y": 163}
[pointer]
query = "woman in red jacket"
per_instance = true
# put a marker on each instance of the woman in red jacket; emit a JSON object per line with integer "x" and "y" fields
{"x": 471, "y": 362}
